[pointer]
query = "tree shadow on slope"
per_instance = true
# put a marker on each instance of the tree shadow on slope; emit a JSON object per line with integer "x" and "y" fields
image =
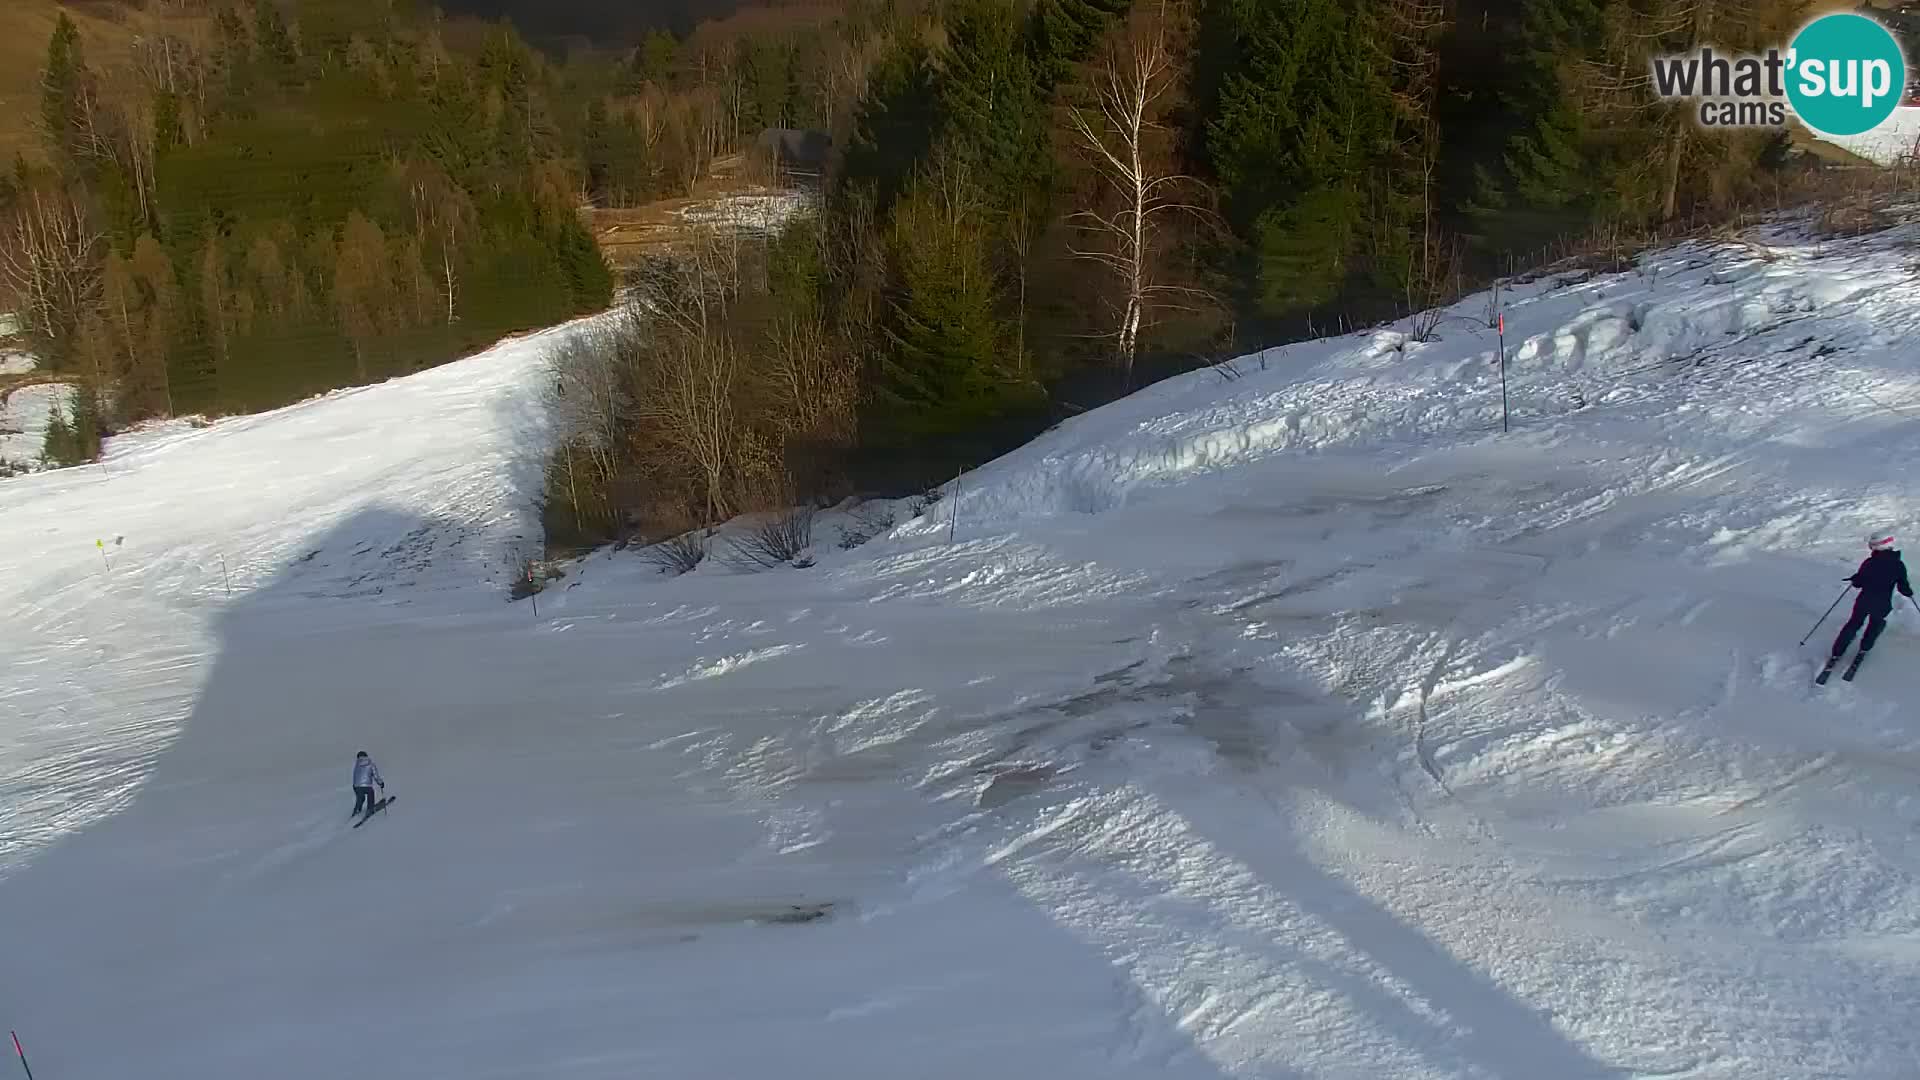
{"x": 1271, "y": 908}
{"x": 126, "y": 937}
{"x": 228, "y": 921}
{"x": 1469, "y": 1022}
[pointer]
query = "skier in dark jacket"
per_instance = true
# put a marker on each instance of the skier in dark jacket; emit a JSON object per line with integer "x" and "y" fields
{"x": 1878, "y": 576}
{"x": 365, "y": 775}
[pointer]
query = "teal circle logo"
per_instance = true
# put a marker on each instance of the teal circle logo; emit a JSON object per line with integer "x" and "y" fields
{"x": 1847, "y": 74}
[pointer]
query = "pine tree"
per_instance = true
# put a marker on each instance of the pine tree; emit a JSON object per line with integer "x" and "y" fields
{"x": 73, "y": 430}
{"x": 1597, "y": 145}
{"x": 1306, "y": 114}
{"x": 61, "y": 87}
{"x": 158, "y": 282}
{"x": 363, "y": 286}
{"x": 895, "y": 126}
{"x": 58, "y": 447}
{"x": 943, "y": 380}
{"x": 589, "y": 279}
{"x": 991, "y": 101}
{"x": 88, "y": 428}
{"x": 598, "y": 149}
{"x": 1062, "y": 33}
{"x": 169, "y": 125}
{"x": 1554, "y": 177}
{"x": 276, "y": 44}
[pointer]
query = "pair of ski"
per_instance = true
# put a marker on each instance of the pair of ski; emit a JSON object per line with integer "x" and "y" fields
{"x": 374, "y": 809}
{"x": 1833, "y": 662}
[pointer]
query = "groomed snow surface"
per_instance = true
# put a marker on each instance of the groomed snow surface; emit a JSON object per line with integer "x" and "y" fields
{"x": 1289, "y": 720}
{"x": 1892, "y": 141}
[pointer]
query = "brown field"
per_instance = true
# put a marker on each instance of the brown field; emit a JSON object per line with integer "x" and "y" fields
{"x": 626, "y": 235}
{"x": 107, "y": 27}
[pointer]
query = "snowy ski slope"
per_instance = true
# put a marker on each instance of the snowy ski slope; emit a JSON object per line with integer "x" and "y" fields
{"x": 1282, "y": 721}
{"x": 1891, "y": 142}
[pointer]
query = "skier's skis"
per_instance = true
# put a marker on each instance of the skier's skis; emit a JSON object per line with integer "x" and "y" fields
{"x": 1821, "y": 679}
{"x": 374, "y": 809}
{"x": 1855, "y": 666}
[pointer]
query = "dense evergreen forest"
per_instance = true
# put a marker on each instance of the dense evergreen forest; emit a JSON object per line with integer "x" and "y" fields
{"x": 267, "y": 200}
{"x": 1034, "y": 206}
{"x": 1037, "y": 206}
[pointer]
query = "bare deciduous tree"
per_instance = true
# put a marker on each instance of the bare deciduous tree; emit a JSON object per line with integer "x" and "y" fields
{"x": 814, "y": 379}
{"x": 155, "y": 272}
{"x": 691, "y": 399}
{"x": 440, "y": 218}
{"x": 1134, "y": 79}
{"x": 592, "y": 372}
{"x": 363, "y": 289}
{"x": 50, "y": 262}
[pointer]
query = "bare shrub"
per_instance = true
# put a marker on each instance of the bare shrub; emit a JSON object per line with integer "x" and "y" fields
{"x": 925, "y": 501}
{"x": 1425, "y": 323}
{"x": 868, "y": 522}
{"x": 678, "y": 555}
{"x": 1228, "y": 370}
{"x": 1850, "y": 218}
{"x": 776, "y": 542}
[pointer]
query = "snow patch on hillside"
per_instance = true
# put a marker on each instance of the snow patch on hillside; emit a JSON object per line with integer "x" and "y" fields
{"x": 1894, "y": 140}
{"x": 24, "y": 416}
{"x": 755, "y": 212}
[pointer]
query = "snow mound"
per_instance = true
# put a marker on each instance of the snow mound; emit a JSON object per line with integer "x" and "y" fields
{"x": 1290, "y": 718}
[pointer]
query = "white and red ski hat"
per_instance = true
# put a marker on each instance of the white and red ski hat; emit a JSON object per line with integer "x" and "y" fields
{"x": 1880, "y": 541}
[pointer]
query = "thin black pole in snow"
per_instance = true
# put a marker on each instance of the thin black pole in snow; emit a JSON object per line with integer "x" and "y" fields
{"x": 953, "y": 519}
{"x": 22, "y": 1053}
{"x": 1503, "y": 372}
{"x": 1823, "y": 618}
{"x": 534, "y": 595}
{"x": 228, "y": 578}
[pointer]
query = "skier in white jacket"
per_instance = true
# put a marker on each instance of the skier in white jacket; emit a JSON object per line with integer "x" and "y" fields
{"x": 365, "y": 775}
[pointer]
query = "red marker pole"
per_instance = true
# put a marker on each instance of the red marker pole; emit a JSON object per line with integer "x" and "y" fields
{"x": 1503, "y": 371}
{"x": 22, "y": 1053}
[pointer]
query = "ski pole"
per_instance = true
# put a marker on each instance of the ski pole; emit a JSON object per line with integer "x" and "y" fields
{"x": 1836, "y": 603}
{"x": 22, "y": 1053}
